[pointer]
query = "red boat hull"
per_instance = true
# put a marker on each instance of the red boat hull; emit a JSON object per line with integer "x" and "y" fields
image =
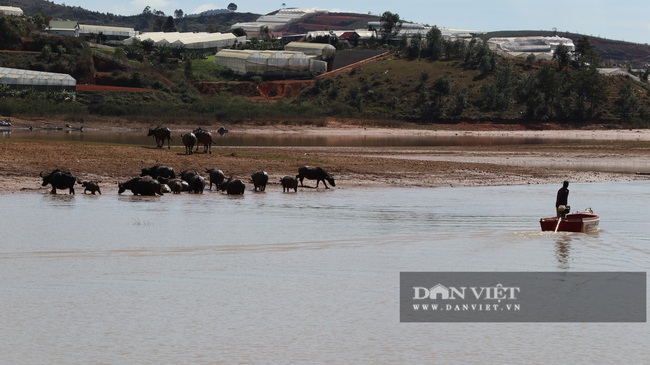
{"x": 584, "y": 222}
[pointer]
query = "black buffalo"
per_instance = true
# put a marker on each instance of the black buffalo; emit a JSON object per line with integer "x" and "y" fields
{"x": 260, "y": 179}
{"x": 233, "y": 187}
{"x": 195, "y": 181}
{"x": 216, "y": 177}
{"x": 315, "y": 173}
{"x": 197, "y": 184}
{"x": 159, "y": 171}
{"x": 161, "y": 134}
{"x": 176, "y": 185}
{"x": 189, "y": 140}
{"x": 141, "y": 186}
{"x": 222, "y": 131}
{"x": 91, "y": 186}
{"x": 203, "y": 137}
{"x": 59, "y": 179}
{"x": 289, "y": 182}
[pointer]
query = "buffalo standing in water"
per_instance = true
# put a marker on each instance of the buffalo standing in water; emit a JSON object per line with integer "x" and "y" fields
{"x": 176, "y": 185}
{"x": 91, "y": 186}
{"x": 216, "y": 177}
{"x": 141, "y": 186}
{"x": 59, "y": 180}
{"x": 161, "y": 134}
{"x": 315, "y": 173}
{"x": 204, "y": 138}
{"x": 189, "y": 140}
{"x": 195, "y": 181}
{"x": 260, "y": 179}
{"x": 288, "y": 183}
{"x": 233, "y": 187}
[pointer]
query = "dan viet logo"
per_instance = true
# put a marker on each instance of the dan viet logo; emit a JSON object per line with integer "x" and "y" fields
{"x": 507, "y": 296}
{"x": 481, "y": 298}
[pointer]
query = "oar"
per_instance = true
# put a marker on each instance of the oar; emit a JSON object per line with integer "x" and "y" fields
{"x": 559, "y": 219}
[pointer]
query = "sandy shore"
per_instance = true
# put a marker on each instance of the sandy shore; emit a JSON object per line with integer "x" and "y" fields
{"x": 593, "y": 156}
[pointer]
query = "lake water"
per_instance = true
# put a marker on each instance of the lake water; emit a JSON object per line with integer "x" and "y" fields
{"x": 307, "y": 277}
{"x": 233, "y": 138}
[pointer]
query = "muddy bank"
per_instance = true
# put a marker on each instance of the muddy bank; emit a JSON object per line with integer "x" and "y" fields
{"x": 604, "y": 155}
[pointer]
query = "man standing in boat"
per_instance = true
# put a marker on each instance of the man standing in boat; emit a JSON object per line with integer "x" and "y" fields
{"x": 562, "y": 200}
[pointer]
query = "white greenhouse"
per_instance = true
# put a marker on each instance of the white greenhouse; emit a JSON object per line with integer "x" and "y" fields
{"x": 321, "y": 51}
{"x": 11, "y": 10}
{"x": 201, "y": 41}
{"x": 270, "y": 64}
{"x": 112, "y": 32}
{"x": 279, "y": 19}
{"x": 27, "y": 79}
{"x": 541, "y": 47}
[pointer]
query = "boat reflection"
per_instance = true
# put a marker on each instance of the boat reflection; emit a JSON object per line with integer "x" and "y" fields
{"x": 562, "y": 250}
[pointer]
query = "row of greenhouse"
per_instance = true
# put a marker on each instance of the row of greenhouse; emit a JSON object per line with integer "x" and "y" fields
{"x": 203, "y": 41}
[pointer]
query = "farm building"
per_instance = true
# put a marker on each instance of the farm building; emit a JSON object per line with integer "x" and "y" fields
{"x": 203, "y": 41}
{"x": 11, "y": 10}
{"x": 270, "y": 64}
{"x": 541, "y": 47}
{"x": 43, "y": 81}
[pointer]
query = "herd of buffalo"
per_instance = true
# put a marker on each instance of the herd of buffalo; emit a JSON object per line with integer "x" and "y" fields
{"x": 159, "y": 180}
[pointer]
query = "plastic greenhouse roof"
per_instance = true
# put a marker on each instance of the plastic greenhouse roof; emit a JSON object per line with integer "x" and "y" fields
{"x": 189, "y": 40}
{"x": 15, "y": 76}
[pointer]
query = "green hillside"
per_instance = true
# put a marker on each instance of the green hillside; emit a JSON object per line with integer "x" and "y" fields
{"x": 426, "y": 81}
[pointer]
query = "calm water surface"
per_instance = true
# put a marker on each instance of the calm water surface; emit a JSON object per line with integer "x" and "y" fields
{"x": 311, "y": 277}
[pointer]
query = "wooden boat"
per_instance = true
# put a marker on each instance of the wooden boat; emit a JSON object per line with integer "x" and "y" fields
{"x": 583, "y": 221}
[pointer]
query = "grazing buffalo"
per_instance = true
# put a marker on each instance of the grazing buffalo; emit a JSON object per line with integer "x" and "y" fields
{"x": 216, "y": 177}
{"x": 204, "y": 138}
{"x": 222, "y": 131}
{"x": 189, "y": 140}
{"x": 91, "y": 186}
{"x": 159, "y": 171}
{"x": 161, "y": 134}
{"x": 59, "y": 180}
{"x": 315, "y": 173}
{"x": 233, "y": 187}
{"x": 260, "y": 179}
{"x": 289, "y": 182}
{"x": 141, "y": 186}
{"x": 175, "y": 185}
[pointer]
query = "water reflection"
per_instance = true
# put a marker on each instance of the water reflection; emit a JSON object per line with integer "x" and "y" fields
{"x": 562, "y": 250}
{"x": 59, "y": 200}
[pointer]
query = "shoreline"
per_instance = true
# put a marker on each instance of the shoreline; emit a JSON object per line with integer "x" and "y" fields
{"x": 614, "y": 155}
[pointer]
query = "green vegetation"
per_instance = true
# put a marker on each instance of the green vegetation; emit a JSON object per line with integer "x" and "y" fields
{"x": 426, "y": 80}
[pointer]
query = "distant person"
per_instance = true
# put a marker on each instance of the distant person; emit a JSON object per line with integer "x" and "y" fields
{"x": 562, "y": 199}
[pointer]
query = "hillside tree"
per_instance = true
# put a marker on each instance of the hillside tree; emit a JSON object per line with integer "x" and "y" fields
{"x": 232, "y": 7}
{"x": 627, "y": 103}
{"x": 390, "y": 23}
